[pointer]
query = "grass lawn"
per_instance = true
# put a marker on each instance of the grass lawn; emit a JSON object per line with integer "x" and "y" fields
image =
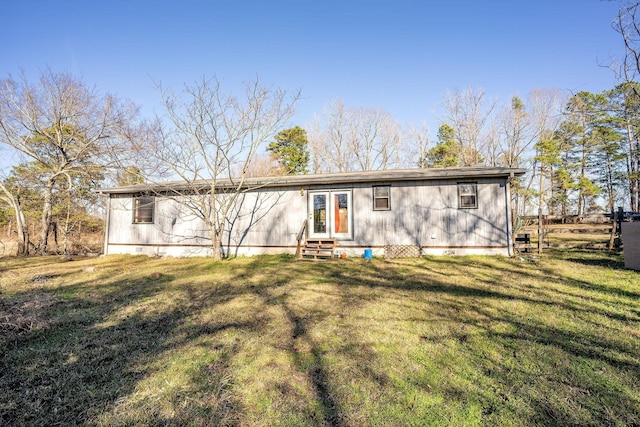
{"x": 273, "y": 341}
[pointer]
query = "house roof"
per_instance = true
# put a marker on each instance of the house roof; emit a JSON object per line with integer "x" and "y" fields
{"x": 325, "y": 179}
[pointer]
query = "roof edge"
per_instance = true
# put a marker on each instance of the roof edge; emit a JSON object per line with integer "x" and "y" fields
{"x": 324, "y": 179}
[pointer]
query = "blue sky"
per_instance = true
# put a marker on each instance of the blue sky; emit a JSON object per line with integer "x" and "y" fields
{"x": 402, "y": 56}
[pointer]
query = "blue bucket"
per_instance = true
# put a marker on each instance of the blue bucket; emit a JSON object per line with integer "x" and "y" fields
{"x": 368, "y": 253}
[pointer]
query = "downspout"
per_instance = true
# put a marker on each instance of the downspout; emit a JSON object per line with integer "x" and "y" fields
{"x": 507, "y": 197}
{"x": 105, "y": 250}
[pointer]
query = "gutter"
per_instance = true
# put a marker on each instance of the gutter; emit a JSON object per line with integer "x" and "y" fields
{"x": 507, "y": 197}
{"x": 105, "y": 249}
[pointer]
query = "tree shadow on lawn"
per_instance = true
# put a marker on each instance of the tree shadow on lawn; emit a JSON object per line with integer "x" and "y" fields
{"x": 316, "y": 369}
{"x": 96, "y": 349}
{"x": 547, "y": 274}
{"x": 519, "y": 290}
{"x": 580, "y": 348}
{"x": 88, "y": 365}
{"x": 309, "y": 354}
{"x": 481, "y": 306}
{"x": 613, "y": 261}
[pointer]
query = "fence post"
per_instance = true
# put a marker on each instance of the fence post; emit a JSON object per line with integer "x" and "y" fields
{"x": 540, "y": 236}
{"x": 614, "y": 226}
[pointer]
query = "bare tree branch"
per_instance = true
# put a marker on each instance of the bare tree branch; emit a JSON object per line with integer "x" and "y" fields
{"x": 210, "y": 135}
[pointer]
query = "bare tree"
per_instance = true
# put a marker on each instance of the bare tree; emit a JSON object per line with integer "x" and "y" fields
{"x": 624, "y": 100}
{"x": 468, "y": 113}
{"x": 63, "y": 127}
{"x": 627, "y": 70}
{"x": 212, "y": 137}
{"x": 328, "y": 139}
{"x": 492, "y": 149}
{"x": 545, "y": 112}
{"x": 355, "y": 139}
{"x": 521, "y": 125}
{"x": 627, "y": 24}
{"x": 262, "y": 165}
{"x": 514, "y": 123}
{"x": 417, "y": 138}
{"x": 374, "y": 139}
{"x": 12, "y": 200}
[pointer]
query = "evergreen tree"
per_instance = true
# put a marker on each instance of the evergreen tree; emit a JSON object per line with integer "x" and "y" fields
{"x": 607, "y": 161}
{"x": 291, "y": 150}
{"x": 446, "y": 152}
{"x": 624, "y": 108}
{"x": 548, "y": 156}
{"x": 585, "y": 112}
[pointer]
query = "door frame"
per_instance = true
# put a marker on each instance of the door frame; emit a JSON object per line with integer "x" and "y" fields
{"x": 330, "y": 214}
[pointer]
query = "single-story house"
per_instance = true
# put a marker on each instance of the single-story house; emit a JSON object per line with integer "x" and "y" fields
{"x": 453, "y": 211}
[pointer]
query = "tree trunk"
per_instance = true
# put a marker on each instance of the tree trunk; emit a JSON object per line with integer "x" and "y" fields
{"x": 614, "y": 226}
{"x": 23, "y": 230}
{"x": 46, "y": 217}
{"x": 540, "y": 212}
{"x": 611, "y": 194}
{"x": 540, "y": 230}
{"x": 632, "y": 164}
{"x": 635, "y": 184}
{"x": 215, "y": 233}
{"x": 217, "y": 244}
{"x": 66, "y": 229}
{"x": 21, "y": 224}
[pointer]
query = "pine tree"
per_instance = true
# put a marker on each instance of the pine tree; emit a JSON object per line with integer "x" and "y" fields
{"x": 446, "y": 152}
{"x": 291, "y": 150}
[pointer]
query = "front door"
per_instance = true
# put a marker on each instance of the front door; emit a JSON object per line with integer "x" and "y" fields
{"x": 330, "y": 214}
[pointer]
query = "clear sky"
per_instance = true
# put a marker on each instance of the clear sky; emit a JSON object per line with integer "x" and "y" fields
{"x": 399, "y": 55}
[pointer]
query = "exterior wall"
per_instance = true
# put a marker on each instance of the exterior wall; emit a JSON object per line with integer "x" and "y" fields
{"x": 631, "y": 242}
{"x": 426, "y": 214}
{"x": 423, "y": 213}
{"x": 263, "y": 222}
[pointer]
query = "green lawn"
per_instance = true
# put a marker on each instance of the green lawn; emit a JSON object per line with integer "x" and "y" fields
{"x": 553, "y": 340}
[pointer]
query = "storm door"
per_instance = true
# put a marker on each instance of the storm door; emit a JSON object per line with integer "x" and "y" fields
{"x": 330, "y": 214}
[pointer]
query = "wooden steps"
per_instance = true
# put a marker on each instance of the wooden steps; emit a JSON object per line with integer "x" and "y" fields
{"x": 318, "y": 248}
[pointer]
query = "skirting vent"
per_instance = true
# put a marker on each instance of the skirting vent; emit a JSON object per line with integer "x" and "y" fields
{"x": 402, "y": 251}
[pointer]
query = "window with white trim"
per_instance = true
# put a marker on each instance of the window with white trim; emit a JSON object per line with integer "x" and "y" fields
{"x": 467, "y": 195}
{"x": 382, "y": 198}
{"x": 143, "y": 209}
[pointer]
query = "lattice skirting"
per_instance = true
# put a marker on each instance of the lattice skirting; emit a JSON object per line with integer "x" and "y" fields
{"x": 402, "y": 251}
